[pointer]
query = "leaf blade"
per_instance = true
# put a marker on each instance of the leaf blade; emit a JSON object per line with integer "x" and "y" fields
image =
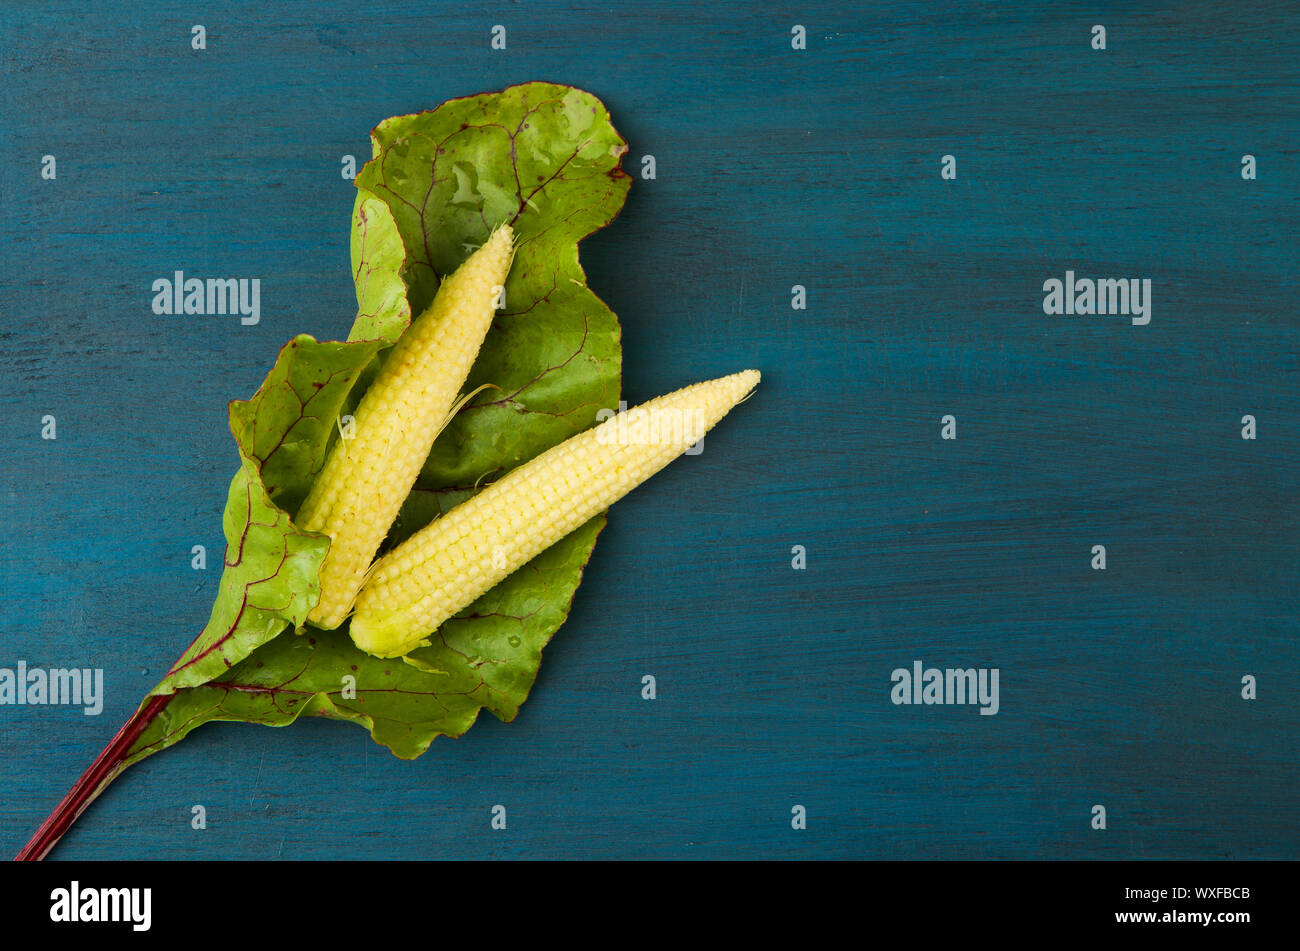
{"x": 546, "y": 158}
{"x": 555, "y": 348}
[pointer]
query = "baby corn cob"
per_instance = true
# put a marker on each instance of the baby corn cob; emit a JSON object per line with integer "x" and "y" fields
{"x": 444, "y": 567}
{"x": 367, "y": 477}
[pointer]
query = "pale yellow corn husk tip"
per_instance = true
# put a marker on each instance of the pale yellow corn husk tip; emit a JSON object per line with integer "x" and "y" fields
{"x": 447, "y": 565}
{"x": 367, "y": 477}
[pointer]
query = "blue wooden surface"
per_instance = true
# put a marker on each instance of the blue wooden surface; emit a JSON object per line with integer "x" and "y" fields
{"x": 775, "y": 167}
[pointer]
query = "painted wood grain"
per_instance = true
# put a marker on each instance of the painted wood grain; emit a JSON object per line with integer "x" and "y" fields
{"x": 775, "y": 167}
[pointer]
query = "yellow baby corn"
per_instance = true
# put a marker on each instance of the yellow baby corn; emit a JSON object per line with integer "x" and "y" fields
{"x": 444, "y": 567}
{"x": 367, "y": 477}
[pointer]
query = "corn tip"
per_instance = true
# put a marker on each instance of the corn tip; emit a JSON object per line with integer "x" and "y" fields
{"x": 503, "y": 237}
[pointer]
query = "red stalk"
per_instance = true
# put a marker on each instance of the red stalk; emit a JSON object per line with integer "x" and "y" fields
{"x": 107, "y": 766}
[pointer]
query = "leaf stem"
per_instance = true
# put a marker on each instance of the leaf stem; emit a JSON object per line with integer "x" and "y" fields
{"x": 107, "y": 766}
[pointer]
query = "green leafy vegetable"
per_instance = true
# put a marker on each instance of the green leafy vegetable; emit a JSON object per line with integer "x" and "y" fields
{"x": 546, "y": 158}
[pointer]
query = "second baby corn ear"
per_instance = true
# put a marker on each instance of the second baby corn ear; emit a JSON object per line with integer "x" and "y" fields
{"x": 446, "y": 566}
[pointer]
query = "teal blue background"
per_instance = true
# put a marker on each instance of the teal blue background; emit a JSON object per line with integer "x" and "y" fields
{"x": 775, "y": 167}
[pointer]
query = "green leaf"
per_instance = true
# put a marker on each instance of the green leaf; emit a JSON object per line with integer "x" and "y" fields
{"x": 546, "y": 158}
{"x": 269, "y": 582}
{"x": 284, "y": 429}
{"x": 486, "y": 657}
{"x": 269, "y": 579}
